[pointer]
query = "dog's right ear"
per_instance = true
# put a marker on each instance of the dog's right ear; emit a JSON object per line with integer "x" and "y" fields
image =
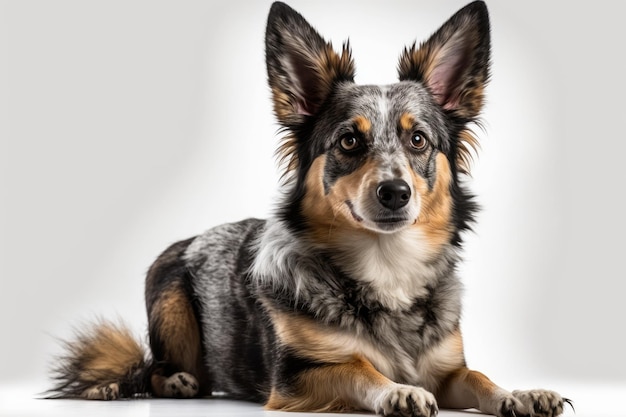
{"x": 302, "y": 67}
{"x": 454, "y": 62}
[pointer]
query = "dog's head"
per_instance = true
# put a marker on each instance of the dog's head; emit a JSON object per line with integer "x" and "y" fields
{"x": 378, "y": 159}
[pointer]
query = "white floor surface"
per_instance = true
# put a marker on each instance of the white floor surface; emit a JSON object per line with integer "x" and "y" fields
{"x": 590, "y": 400}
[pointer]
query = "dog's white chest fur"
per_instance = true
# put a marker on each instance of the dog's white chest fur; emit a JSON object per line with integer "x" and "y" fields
{"x": 395, "y": 267}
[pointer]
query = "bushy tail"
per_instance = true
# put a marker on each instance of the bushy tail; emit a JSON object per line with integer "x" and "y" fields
{"x": 104, "y": 362}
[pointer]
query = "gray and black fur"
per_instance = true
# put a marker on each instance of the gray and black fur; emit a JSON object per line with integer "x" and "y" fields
{"x": 347, "y": 298}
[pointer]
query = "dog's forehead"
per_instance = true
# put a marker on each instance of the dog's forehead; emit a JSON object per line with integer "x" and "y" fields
{"x": 384, "y": 107}
{"x": 381, "y": 101}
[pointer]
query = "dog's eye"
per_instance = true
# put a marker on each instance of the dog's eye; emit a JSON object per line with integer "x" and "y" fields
{"x": 418, "y": 141}
{"x": 349, "y": 142}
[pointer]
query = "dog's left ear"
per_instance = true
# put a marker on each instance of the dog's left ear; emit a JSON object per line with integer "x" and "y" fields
{"x": 302, "y": 67}
{"x": 454, "y": 62}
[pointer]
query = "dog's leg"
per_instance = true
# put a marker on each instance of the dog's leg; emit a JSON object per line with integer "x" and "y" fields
{"x": 175, "y": 341}
{"x": 352, "y": 385}
{"x": 173, "y": 328}
{"x": 471, "y": 389}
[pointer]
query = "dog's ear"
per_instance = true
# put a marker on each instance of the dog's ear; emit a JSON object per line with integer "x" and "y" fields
{"x": 302, "y": 67}
{"x": 454, "y": 62}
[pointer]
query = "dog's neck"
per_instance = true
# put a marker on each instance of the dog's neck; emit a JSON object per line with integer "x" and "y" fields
{"x": 397, "y": 268}
{"x": 392, "y": 270}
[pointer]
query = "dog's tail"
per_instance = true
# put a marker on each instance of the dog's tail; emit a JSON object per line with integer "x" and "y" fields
{"x": 103, "y": 362}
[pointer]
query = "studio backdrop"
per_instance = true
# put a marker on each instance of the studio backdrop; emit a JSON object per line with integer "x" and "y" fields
{"x": 130, "y": 125}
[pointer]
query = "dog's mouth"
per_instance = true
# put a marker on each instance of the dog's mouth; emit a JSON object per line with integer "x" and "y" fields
{"x": 384, "y": 223}
{"x": 390, "y": 220}
{"x": 391, "y": 224}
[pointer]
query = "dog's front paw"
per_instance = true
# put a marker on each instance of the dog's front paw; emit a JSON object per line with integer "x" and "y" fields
{"x": 407, "y": 401}
{"x": 532, "y": 403}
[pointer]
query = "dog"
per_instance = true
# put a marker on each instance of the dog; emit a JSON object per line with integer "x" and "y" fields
{"x": 348, "y": 297}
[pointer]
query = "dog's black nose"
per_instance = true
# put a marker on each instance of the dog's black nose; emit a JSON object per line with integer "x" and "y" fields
{"x": 393, "y": 194}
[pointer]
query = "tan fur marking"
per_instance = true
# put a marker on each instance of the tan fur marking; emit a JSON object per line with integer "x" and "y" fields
{"x": 332, "y": 388}
{"x": 407, "y": 121}
{"x": 321, "y": 343}
{"x": 468, "y": 145}
{"x": 465, "y": 388}
{"x": 422, "y": 58}
{"x": 307, "y": 338}
{"x": 481, "y": 385}
{"x": 282, "y": 104}
{"x": 316, "y": 206}
{"x": 436, "y": 213}
{"x": 329, "y": 213}
{"x": 287, "y": 155}
{"x": 363, "y": 124}
{"x": 331, "y": 66}
{"x": 178, "y": 329}
{"x": 437, "y": 363}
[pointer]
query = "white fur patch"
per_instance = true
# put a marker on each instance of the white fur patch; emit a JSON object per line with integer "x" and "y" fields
{"x": 397, "y": 267}
{"x": 278, "y": 255}
{"x": 394, "y": 265}
{"x": 383, "y": 104}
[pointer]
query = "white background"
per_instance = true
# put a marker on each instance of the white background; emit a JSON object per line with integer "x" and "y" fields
{"x": 128, "y": 125}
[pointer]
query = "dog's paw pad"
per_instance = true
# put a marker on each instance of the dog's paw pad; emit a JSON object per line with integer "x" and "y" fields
{"x": 180, "y": 385}
{"x": 407, "y": 401}
{"x": 102, "y": 392}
